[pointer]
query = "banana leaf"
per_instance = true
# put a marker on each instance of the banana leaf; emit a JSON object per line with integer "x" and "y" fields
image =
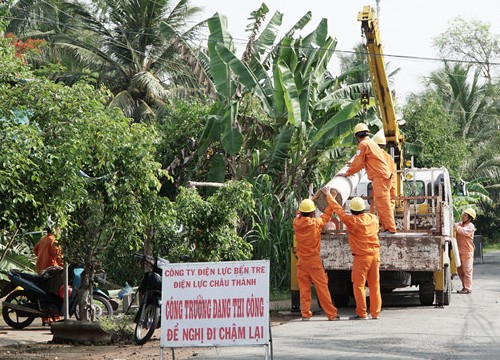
{"x": 338, "y": 125}
{"x": 217, "y": 25}
{"x": 290, "y": 94}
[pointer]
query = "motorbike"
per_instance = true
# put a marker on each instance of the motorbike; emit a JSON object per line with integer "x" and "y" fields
{"x": 147, "y": 318}
{"x": 31, "y": 295}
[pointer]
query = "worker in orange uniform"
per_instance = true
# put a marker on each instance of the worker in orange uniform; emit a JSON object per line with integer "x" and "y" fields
{"x": 465, "y": 240}
{"x": 309, "y": 265}
{"x": 47, "y": 251}
{"x": 371, "y": 157}
{"x": 362, "y": 233}
{"x": 379, "y": 139}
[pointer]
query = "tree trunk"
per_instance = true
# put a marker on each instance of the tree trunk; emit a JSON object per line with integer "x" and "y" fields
{"x": 85, "y": 293}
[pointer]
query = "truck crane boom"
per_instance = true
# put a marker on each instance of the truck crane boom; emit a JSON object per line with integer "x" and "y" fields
{"x": 380, "y": 86}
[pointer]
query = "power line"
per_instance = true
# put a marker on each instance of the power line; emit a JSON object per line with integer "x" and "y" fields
{"x": 278, "y": 46}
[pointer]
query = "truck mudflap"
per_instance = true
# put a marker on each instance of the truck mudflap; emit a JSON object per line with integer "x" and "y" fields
{"x": 398, "y": 252}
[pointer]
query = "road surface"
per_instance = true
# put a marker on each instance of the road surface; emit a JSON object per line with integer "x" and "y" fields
{"x": 467, "y": 329}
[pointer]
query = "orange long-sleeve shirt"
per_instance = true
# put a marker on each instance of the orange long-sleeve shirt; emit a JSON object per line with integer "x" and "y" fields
{"x": 371, "y": 157}
{"x": 47, "y": 252}
{"x": 465, "y": 237}
{"x": 308, "y": 233}
{"x": 362, "y": 229}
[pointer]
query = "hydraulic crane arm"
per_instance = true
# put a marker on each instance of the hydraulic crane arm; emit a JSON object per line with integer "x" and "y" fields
{"x": 385, "y": 105}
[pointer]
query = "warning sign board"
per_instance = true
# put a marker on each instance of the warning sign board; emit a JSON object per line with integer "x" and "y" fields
{"x": 215, "y": 304}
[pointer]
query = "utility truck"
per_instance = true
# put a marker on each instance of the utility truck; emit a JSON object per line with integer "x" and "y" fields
{"x": 423, "y": 252}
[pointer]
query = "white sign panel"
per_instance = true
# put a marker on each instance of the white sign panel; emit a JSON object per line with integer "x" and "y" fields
{"x": 215, "y": 304}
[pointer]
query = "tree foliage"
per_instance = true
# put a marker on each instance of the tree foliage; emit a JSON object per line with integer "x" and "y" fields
{"x": 120, "y": 44}
{"x": 69, "y": 158}
{"x": 208, "y": 228}
{"x": 470, "y": 41}
{"x": 432, "y": 128}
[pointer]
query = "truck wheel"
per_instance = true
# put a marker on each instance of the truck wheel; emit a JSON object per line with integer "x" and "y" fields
{"x": 426, "y": 293}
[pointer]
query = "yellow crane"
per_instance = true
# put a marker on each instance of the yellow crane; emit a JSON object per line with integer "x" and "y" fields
{"x": 380, "y": 86}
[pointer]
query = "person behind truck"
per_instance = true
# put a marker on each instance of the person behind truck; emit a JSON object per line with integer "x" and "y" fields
{"x": 465, "y": 240}
{"x": 362, "y": 233}
{"x": 310, "y": 269}
{"x": 371, "y": 157}
{"x": 379, "y": 139}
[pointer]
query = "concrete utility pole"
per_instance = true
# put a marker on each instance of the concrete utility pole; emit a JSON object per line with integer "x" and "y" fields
{"x": 378, "y": 10}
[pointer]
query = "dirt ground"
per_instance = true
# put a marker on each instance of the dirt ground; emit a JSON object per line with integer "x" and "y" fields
{"x": 151, "y": 350}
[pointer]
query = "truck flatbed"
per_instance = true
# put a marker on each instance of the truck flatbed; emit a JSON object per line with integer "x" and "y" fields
{"x": 406, "y": 251}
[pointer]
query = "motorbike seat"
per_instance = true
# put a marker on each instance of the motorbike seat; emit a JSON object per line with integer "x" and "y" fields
{"x": 39, "y": 280}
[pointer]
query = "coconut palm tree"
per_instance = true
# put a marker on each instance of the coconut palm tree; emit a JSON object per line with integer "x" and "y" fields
{"x": 466, "y": 99}
{"x": 132, "y": 46}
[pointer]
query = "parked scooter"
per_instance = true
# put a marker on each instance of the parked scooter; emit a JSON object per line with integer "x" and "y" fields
{"x": 31, "y": 296}
{"x": 147, "y": 318}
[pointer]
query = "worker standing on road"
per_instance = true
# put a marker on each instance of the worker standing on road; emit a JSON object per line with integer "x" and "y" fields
{"x": 465, "y": 240}
{"x": 309, "y": 265}
{"x": 379, "y": 139}
{"x": 362, "y": 233}
{"x": 371, "y": 157}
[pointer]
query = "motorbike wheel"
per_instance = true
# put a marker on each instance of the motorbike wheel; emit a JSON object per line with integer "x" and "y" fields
{"x": 147, "y": 321}
{"x": 11, "y": 316}
{"x": 102, "y": 308}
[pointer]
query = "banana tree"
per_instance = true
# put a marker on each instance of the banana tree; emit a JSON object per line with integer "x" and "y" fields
{"x": 302, "y": 113}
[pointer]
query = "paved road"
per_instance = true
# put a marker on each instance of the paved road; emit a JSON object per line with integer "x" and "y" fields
{"x": 34, "y": 333}
{"x": 467, "y": 329}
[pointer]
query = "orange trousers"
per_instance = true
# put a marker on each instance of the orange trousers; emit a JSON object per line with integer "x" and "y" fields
{"x": 365, "y": 268}
{"x": 382, "y": 200}
{"x": 465, "y": 270}
{"x": 311, "y": 271}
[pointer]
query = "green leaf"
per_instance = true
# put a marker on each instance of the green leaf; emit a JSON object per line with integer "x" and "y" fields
{"x": 212, "y": 131}
{"x": 290, "y": 94}
{"x": 267, "y": 37}
{"x": 232, "y": 141}
{"x": 217, "y": 25}
{"x": 217, "y": 172}
{"x": 278, "y": 153}
{"x": 317, "y": 38}
{"x": 336, "y": 126}
{"x": 299, "y": 25}
{"x": 243, "y": 74}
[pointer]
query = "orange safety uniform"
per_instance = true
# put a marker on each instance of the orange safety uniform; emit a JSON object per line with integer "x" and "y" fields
{"x": 309, "y": 265}
{"x": 371, "y": 157}
{"x": 394, "y": 183}
{"x": 362, "y": 232}
{"x": 47, "y": 252}
{"x": 392, "y": 191}
{"x": 466, "y": 247}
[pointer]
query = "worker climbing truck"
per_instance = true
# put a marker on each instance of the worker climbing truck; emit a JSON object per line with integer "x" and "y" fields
{"x": 423, "y": 251}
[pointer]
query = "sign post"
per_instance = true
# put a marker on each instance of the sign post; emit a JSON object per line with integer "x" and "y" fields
{"x": 215, "y": 304}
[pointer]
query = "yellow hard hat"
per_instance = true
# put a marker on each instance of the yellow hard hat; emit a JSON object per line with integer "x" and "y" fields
{"x": 357, "y": 204}
{"x": 471, "y": 212}
{"x": 361, "y": 127}
{"x": 307, "y": 206}
{"x": 379, "y": 138}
